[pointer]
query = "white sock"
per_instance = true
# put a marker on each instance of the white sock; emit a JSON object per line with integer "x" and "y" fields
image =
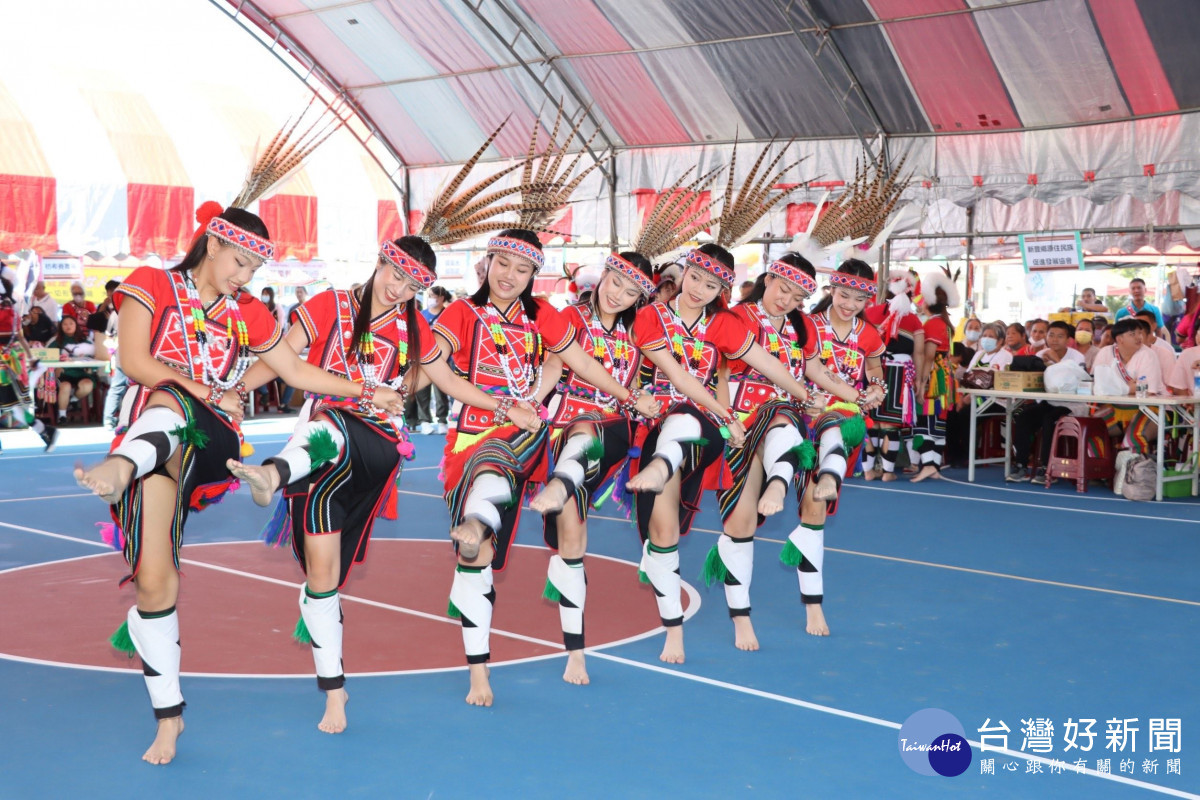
{"x": 294, "y": 460}
{"x": 156, "y": 636}
{"x": 487, "y": 494}
{"x": 322, "y": 614}
{"x": 676, "y": 429}
{"x": 570, "y": 465}
{"x": 568, "y": 577}
{"x": 833, "y": 453}
{"x": 738, "y": 557}
{"x": 473, "y": 595}
{"x": 149, "y": 442}
{"x": 778, "y": 442}
{"x": 663, "y": 571}
{"x": 811, "y": 544}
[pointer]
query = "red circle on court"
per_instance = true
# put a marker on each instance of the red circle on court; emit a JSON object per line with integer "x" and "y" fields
{"x": 238, "y": 605}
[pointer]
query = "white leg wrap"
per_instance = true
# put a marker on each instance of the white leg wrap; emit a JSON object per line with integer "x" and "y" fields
{"x": 149, "y": 442}
{"x": 488, "y": 493}
{"x": 779, "y": 440}
{"x": 570, "y": 464}
{"x": 663, "y": 571}
{"x": 472, "y": 594}
{"x": 738, "y": 557}
{"x": 890, "y": 455}
{"x": 294, "y": 459}
{"x": 833, "y": 453}
{"x": 571, "y": 582}
{"x": 914, "y": 458}
{"x": 323, "y": 618}
{"x": 157, "y": 642}
{"x": 811, "y": 544}
{"x": 676, "y": 429}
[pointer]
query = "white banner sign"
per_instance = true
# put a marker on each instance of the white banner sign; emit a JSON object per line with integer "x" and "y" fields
{"x": 67, "y": 268}
{"x": 1051, "y": 251}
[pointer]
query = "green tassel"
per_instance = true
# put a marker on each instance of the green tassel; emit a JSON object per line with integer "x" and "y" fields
{"x": 595, "y": 450}
{"x": 807, "y": 454}
{"x": 120, "y": 640}
{"x": 791, "y": 555}
{"x": 452, "y": 610}
{"x": 321, "y": 447}
{"x": 607, "y": 494}
{"x": 917, "y": 441}
{"x": 854, "y": 430}
{"x": 550, "y": 593}
{"x": 701, "y": 442}
{"x": 715, "y": 570}
{"x": 301, "y": 634}
{"x": 191, "y": 433}
{"x": 643, "y": 577}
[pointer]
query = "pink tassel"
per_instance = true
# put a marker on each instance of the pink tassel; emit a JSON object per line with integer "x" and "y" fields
{"x": 112, "y": 535}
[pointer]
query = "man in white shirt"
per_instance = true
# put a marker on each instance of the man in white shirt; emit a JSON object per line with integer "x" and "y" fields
{"x": 1164, "y": 351}
{"x": 1118, "y": 370}
{"x": 47, "y": 303}
{"x": 1029, "y": 418}
{"x": 1182, "y": 379}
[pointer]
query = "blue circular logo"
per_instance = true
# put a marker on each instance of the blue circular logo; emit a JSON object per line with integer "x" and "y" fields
{"x": 934, "y": 742}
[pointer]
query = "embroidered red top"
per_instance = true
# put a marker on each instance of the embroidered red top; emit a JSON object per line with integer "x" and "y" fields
{"x": 614, "y": 350}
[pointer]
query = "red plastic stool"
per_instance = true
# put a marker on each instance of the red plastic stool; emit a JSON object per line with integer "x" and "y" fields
{"x": 990, "y": 443}
{"x": 1069, "y": 456}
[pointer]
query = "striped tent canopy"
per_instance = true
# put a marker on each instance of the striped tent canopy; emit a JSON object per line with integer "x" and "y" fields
{"x": 1019, "y": 104}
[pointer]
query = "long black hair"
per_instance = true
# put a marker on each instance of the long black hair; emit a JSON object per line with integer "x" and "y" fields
{"x": 481, "y": 296}
{"x": 419, "y": 249}
{"x": 625, "y": 317}
{"x": 795, "y": 316}
{"x": 726, "y": 258}
{"x": 199, "y": 249}
{"x": 851, "y": 266}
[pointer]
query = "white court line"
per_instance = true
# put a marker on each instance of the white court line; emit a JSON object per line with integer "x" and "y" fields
{"x": 1139, "y": 517}
{"x": 46, "y": 497}
{"x": 77, "y": 453}
{"x": 883, "y": 723}
{"x": 1044, "y": 494}
{"x": 951, "y": 567}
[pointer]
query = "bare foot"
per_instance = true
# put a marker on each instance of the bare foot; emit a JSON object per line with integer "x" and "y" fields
{"x": 772, "y": 499}
{"x": 263, "y": 482}
{"x": 551, "y": 499}
{"x": 672, "y": 652}
{"x": 826, "y": 490}
{"x": 469, "y": 536}
{"x": 927, "y": 471}
{"x": 817, "y": 626}
{"x": 334, "y": 720}
{"x": 651, "y": 479}
{"x": 888, "y": 477}
{"x": 481, "y": 687}
{"x": 162, "y": 750}
{"x": 743, "y": 634}
{"x": 108, "y": 481}
{"x": 870, "y": 475}
{"x": 576, "y": 671}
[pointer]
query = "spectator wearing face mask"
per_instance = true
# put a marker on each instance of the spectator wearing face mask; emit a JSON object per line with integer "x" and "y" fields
{"x": 1085, "y": 342}
{"x": 80, "y": 308}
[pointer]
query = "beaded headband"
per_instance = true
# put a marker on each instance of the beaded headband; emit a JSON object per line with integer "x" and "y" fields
{"x": 853, "y": 282}
{"x": 242, "y": 239}
{"x": 624, "y": 268}
{"x": 410, "y": 266}
{"x": 516, "y": 247}
{"x": 795, "y": 275}
{"x": 715, "y": 268}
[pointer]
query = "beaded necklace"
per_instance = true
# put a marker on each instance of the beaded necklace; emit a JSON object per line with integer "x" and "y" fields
{"x": 365, "y": 354}
{"x": 788, "y": 350}
{"x": 847, "y": 364}
{"x": 522, "y": 373}
{"x": 195, "y": 323}
{"x": 678, "y": 332}
{"x": 618, "y": 359}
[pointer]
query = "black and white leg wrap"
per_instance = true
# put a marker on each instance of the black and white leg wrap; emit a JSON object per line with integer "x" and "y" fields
{"x": 778, "y": 454}
{"x": 155, "y": 634}
{"x": 150, "y": 440}
{"x": 294, "y": 461}
{"x": 676, "y": 431}
{"x": 473, "y": 595}
{"x": 661, "y": 566}
{"x": 737, "y": 554}
{"x": 810, "y": 541}
{"x": 488, "y": 494}
{"x": 566, "y": 575}
{"x": 322, "y": 613}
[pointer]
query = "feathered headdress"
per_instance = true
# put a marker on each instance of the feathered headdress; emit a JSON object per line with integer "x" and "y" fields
{"x": 672, "y": 222}
{"x": 941, "y": 280}
{"x": 858, "y": 216}
{"x": 282, "y": 156}
{"x": 546, "y": 184}
{"x": 753, "y": 200}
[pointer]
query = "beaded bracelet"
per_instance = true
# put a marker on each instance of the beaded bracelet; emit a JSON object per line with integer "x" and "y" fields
{"x": 500, "y": 414}
{"x": 368, "y": 394}
{"x": 878, "y": 382}
{"x": 214, "y": 395}
{"x": 242, "y": 392}
{"x": 628, "y": 406}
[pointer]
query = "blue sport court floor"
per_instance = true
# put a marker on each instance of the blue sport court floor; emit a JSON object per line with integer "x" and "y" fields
{"x": 1008, "y": 605}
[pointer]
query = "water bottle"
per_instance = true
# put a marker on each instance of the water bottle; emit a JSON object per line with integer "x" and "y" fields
{"x": 1143, "y": 387}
